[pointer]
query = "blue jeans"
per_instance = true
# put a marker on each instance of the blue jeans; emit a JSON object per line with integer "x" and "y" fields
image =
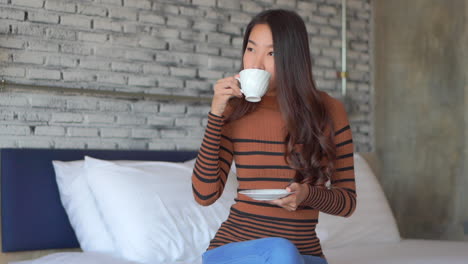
{"x": 272, "y": 250}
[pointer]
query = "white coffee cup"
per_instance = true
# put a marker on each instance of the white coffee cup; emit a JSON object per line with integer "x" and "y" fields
{"x": 254, "y": 83}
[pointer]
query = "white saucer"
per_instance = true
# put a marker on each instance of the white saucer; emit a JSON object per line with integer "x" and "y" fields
{"x": 266, "y": 194}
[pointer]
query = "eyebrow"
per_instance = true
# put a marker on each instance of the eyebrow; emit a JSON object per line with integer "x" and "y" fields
{"x": 255, "y": 44}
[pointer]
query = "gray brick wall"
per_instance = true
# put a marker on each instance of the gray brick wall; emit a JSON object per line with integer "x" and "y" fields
{"x": 171, "y": 47}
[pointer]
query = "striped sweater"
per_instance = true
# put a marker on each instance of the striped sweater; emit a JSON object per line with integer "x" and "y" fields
{"x": 256, "y": 144}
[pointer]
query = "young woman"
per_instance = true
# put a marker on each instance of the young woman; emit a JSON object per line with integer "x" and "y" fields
{"x": 296, "y": 138}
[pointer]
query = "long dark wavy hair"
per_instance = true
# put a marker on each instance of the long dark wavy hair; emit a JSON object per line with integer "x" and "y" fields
{"x": 309, "y": 142}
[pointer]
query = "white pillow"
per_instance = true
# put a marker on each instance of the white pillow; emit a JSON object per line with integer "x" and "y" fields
{"x": 372, "y": 221}
{"x": 80, "y": 207}
{"x": 150, "y": 210}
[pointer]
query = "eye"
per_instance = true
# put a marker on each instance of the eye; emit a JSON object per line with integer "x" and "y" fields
{"x": 249, "y": 49}
{"x": 271, "y": 53}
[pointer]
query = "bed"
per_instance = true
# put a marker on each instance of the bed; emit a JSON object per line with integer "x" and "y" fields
{"x": 37, "y": 229}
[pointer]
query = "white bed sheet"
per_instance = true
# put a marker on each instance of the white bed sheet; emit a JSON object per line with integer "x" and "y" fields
{"x": 85, "y": 258}
{"x": 407, "y": 251}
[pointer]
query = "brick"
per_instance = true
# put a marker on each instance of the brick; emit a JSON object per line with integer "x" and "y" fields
{"x": 188, "y": 121}
{"x": 124, "y": 40}
{"x": 172, "y": 133}
{"x": 44, "y": 74}
{"x": 329, "y": 31}
{"x": 109, "y": 2}
{"x": 153, "y": 43}
{"x": 141, "y": 4}
{"x": 204, "y": 26}
{"x": 167, "y": 57}
{"x": 328, "y": 10}
{"x": 93, "y": 63}
{"x": 144, "y": 133}
{"x": 6, "y": 115}
{"x": 207, "y": 49}
{"x": 79, "y": 103}
{"x": 131, "y": 144}
{"x": 105, "y": 24}
{"x": 251, "y": 7}
{"x": 99, "y": 118}
{"x": 200, "y": 85}
{"x": 220, "y": 63}
{"x": 100, "y": 144}
{"x": 182, "y": 46}
{"x": 219, "y": 38}
{"x": 42, "y": 45}
{"x": 302, "y": 5}
{"x": 229, "y": 4}
{"x": 170, "y": 82}
{"x": 193, "y": 36}
{"x": 204, "y": 2}
{"x": 188, "y": 144}
{"x": 210, "y": 74}
{"x": 30, "y": 29}
{"x": 148, "y": 81}
{"x": 14, "y": 14}
{"x": 92, "y": 10}
{"x": 148, "y": 17}
{"x": 58, "y": 5}
{"x": 68, "y": 143}
{"x": 240, "y": 18}
{"x": 43, "y": 17}
{"x": 162, "y": 145}
{"x": 13, "y": 71}
{"x": 14, "y": 130}
{"x": 92, "y": 37}
{"x": 160, "y": 121}
{"x": 230, "y": 29}
{"x": 183, "y": 72}
{"x": 61, "y": 34}
{"x": 125, "y": 67}
{"x": 49, "y": 131}
{"x": 80, "y": 49}
{"x": 82, "y": 132}
{"x": 139, "y": 55}
{"x": 145, "y": 107}
{"x": 115, "y": 133}
{"x": 36, "y": 117}
{"x": 172, "y": 108}
{"x": 164, "y": 32}
{"x": 178, "y": 22}
{"x": 287, "y": 3}
{"x": 28, "y": 3}
{"x": 75, "y": 76}
{"x": 66, "y": 118}
{"x": 128, "y": 119}
{"x": 37, "y": 142}
{"x": 191, "y": 11}
{"x": 231, "y": 53}
{"x": 111, "y": 78}
{"x": 113, "y": 106}
{"x": 153, "y": 68}
{"x": 122, "y": 13}
{"x": 6, "y": 142}
{"x": 29, "y": 57}
{"x": 76, "y": 21}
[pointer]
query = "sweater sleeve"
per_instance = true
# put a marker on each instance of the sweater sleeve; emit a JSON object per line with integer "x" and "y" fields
{"x": 213, "y": 162}
{"x": 340, "y": 198}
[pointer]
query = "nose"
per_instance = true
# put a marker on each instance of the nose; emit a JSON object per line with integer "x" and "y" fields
{"x": 258, "y": 63}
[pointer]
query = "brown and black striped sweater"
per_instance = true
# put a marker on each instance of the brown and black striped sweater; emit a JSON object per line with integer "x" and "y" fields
{"x": 256, "y": 143}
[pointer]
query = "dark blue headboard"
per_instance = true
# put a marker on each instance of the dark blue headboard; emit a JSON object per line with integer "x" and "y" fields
{"x": 33, "y": 217}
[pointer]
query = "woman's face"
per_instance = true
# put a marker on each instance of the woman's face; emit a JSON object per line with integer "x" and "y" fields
{"x": 259, "y": 53}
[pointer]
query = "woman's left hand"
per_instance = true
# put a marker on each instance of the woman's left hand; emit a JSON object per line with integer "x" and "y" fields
{"x": 291, "y": 202}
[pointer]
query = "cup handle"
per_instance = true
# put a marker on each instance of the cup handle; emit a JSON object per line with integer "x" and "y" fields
{"x": 238, "y": 78}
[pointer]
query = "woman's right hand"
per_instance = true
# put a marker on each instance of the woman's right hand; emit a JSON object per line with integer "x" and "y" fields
{"x": 224, "y": 89}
